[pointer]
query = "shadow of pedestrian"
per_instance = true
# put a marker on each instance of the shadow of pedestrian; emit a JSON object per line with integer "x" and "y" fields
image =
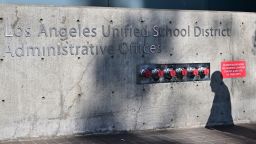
{"x": 240, "y": 132}
{"x": 221, "y": 107}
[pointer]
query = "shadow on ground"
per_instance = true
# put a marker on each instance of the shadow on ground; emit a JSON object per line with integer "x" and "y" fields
{"x": 239, "y": 131}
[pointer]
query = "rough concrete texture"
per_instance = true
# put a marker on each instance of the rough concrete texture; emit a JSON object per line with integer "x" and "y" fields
{"x": 55, "y": 93}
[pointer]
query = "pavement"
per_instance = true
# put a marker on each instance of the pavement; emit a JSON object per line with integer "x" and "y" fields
{"x": 238, "y": 134}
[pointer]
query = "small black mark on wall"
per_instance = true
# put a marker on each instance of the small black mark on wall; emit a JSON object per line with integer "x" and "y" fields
{"x": 254, "y": 44}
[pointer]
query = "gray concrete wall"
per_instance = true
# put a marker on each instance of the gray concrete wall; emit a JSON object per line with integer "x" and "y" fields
{"x": 223, "y": 5}
{"x": 59, "y": 91}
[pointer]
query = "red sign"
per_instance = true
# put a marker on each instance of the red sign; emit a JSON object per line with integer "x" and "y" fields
{"x": 233, "y": 69}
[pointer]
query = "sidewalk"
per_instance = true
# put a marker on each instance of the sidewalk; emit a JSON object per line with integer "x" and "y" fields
{"x": 239, "y": 134}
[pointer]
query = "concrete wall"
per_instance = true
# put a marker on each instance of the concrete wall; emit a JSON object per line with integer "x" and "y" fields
{"x": 63, "y": 90}
{"x": 223, "y": 5}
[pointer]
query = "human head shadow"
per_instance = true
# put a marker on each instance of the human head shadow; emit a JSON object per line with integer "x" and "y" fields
{"x": 221, "y": 106}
